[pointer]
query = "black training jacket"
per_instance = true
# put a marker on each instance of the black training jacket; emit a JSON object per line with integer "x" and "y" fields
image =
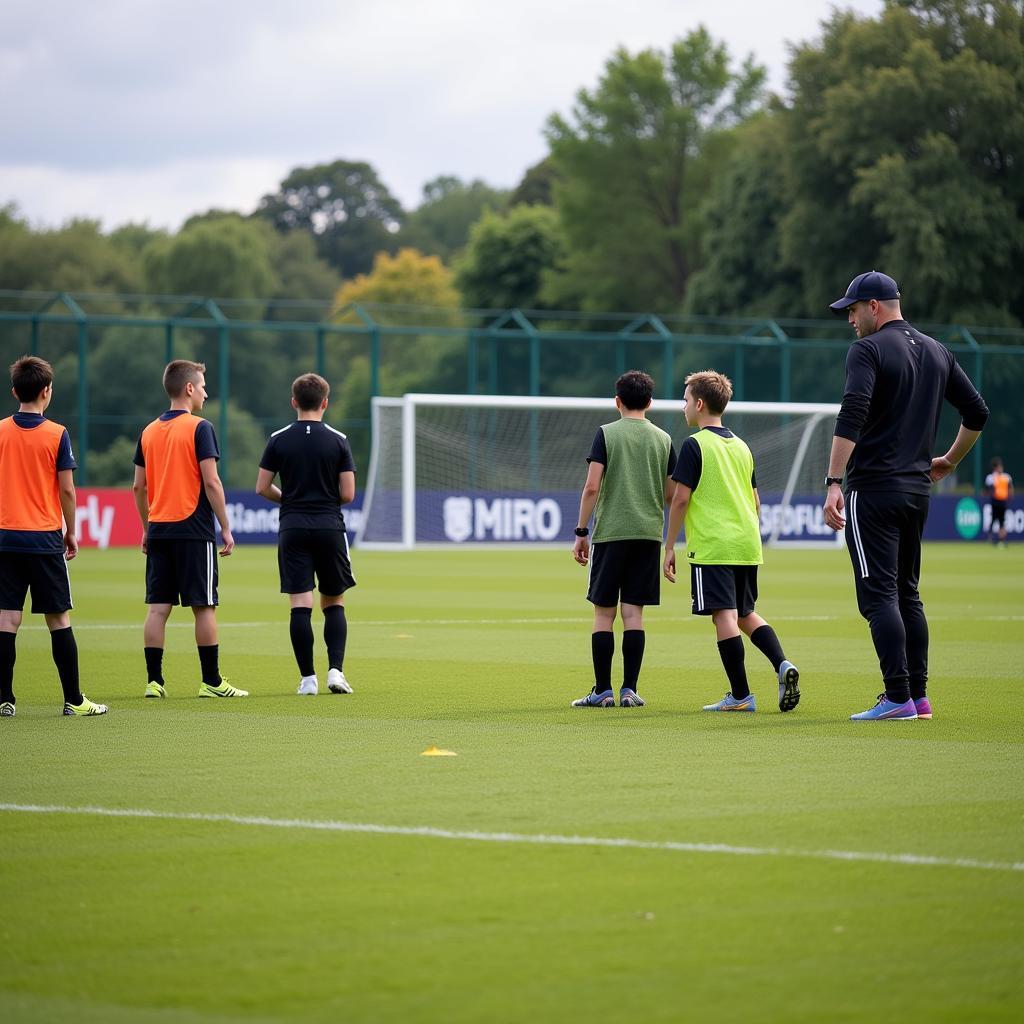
{"x": 896, "y": 381}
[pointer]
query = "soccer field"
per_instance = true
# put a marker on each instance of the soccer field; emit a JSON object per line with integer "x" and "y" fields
{"x": 286, "y": 858}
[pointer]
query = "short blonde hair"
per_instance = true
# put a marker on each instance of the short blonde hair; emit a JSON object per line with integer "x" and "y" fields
{"x": 714, "y": 388}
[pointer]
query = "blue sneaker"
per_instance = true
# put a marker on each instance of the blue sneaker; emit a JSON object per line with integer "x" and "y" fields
{"x": 789, "y": 692}
{"x": 596, "y": 700}
{"x": 629, "y": 698}
{"x": 887, "y": 709}
{"x": 730, "y": 703}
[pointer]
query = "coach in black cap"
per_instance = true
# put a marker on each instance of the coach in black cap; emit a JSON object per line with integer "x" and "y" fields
{"x": 896, "y": 381}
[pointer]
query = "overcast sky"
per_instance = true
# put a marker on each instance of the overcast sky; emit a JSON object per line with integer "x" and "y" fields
{"x": 146, "y": 110}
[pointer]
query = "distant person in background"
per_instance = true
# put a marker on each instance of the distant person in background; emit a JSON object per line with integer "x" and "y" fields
{"x": 178, "y": 492}
{"x": 36, "y": 489}
{"x": 896, "y": 381}
{"x": 628, "y": 483}
{"x": 716, "y": 497}
{"x": 1000, "y": 490}
{"x": 318, "y": 477}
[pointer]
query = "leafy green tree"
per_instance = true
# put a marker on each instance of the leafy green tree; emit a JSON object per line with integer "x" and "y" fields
{"x": 741, "y": 267}
{"x": 537, "y": 185}
{"x": 345, "y": 207}
{"x": 227, "y": 257}
{"x": 440, "y": 225}
{"x": 75, "y": 257}
{"x": 905, "y": 147}
{"x": 509, "y": 258}
{"x": 633, "y": 159}
{"x": 245, "y": 442}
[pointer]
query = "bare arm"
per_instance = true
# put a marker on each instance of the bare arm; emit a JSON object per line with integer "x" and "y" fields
{"x": 670, "y": 489}
{"x": 141, "y": 496}
{"x": 347, "y": 487}
{"x": 676, "y": 518}
{"x": 943, "y": 465}
{"x": 265, "y": 486}
{"x": 588, "y": 499}
{"x": 66, "y": 483}
{"x": 215, "y": 492}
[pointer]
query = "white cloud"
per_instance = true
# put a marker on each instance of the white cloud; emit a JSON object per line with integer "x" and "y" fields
{"x": 157, "y": 110}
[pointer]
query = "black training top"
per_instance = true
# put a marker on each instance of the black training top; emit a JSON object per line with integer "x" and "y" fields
{"x": 896, "y": 381}
{"x": 308, "y": 456}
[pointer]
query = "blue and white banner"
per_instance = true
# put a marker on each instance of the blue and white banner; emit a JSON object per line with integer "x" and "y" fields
{"x": 951, "y": 517}
{"x": 254, "y": 520}
{"x": 531, "y": 517}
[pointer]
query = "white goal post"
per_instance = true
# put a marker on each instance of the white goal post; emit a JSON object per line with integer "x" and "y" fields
{"x": 481, "y": 469}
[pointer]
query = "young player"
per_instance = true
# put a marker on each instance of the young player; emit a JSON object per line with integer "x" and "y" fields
{"x": 716, "y": 496}
{"x": 1000, "y": 490}
{"x": 318, "y": 477}
{"x": 628, "y": 483}
{"x": 178, "y": 492}
{"x": 36, "y": 467}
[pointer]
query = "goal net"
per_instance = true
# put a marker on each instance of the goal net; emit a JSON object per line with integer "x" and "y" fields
{"x": 481, "y": 469}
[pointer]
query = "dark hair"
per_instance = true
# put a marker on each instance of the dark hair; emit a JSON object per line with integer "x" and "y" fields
{"x": 309, "y": 391}
{"x": 636, "y": 389}
{"x": 712, "y": 387}
{"x": 29, "y": 375}
{"x": 179, "y": 373}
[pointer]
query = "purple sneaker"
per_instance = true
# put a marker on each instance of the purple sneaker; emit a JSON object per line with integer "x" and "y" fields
{"x": 924, "y": 707}
{"x": 888, "y": 710}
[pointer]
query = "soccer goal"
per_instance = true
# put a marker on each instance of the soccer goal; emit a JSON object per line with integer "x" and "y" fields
{"x": 485, "y": 469}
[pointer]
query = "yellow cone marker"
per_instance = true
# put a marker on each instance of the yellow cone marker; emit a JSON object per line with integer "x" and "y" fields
{"x": 434, "y": 751}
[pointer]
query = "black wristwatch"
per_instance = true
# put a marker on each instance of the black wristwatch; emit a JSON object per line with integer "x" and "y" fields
{"x": 830, "y": 480}
{"x": 582, "y": 531}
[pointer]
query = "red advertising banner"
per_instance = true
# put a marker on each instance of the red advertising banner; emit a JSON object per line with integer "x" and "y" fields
{"x": 107, "y": 518}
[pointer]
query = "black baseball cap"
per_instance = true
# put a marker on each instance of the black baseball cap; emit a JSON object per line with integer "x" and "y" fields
{"x": 872, "y": 285}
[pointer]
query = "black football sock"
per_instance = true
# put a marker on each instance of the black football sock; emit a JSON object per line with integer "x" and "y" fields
{"x": 208, "y": 658}
{"x": 154, "y": 664}
{"x": 65, "y": 657}
{"x": 731, "y": 652}
{"x": 602, "y": 648}
{"x": 765, "y": 640}
{"x": 7, "y": 658}
{"x": 300, "y": 628}
{"x": 335, "y": 635}
{"x": 632, "y": 656}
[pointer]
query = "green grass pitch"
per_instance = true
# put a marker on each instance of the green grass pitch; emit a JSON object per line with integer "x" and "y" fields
{"x": 783, "y": 898}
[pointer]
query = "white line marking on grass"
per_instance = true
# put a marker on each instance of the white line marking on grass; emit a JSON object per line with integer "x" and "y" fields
{"x": 427, "y": 832}
{"x": 536, "y": 621}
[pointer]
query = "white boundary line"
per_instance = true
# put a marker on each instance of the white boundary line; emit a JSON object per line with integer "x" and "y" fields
{"x": 427, "y": 832}
{"x": 535, "y": 621}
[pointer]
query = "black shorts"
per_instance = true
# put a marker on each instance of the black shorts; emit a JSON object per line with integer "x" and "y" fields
{"x": 625, "y": 570}
{"x": 46, "y": 575}
{"x": 718, "y": 587}
{"x": 998, "y": 512}
{"x": 301, "y": 554}
{"x": 182, "y": 572}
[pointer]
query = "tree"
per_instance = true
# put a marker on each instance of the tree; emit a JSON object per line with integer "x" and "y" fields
{"x": 905, "y": 151}
{"x": 537, "y": 185}
{"x": 408, "y": 278}
{"x": 509, "y": 258}
{"x": 224, "y": 256}
{"x": 75, "y": 257}
{"x": 742, "y": 271}
{"x": 345, "y": 207}
{"x": 630, "y": 161}
{"x": 440, "y": 225}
